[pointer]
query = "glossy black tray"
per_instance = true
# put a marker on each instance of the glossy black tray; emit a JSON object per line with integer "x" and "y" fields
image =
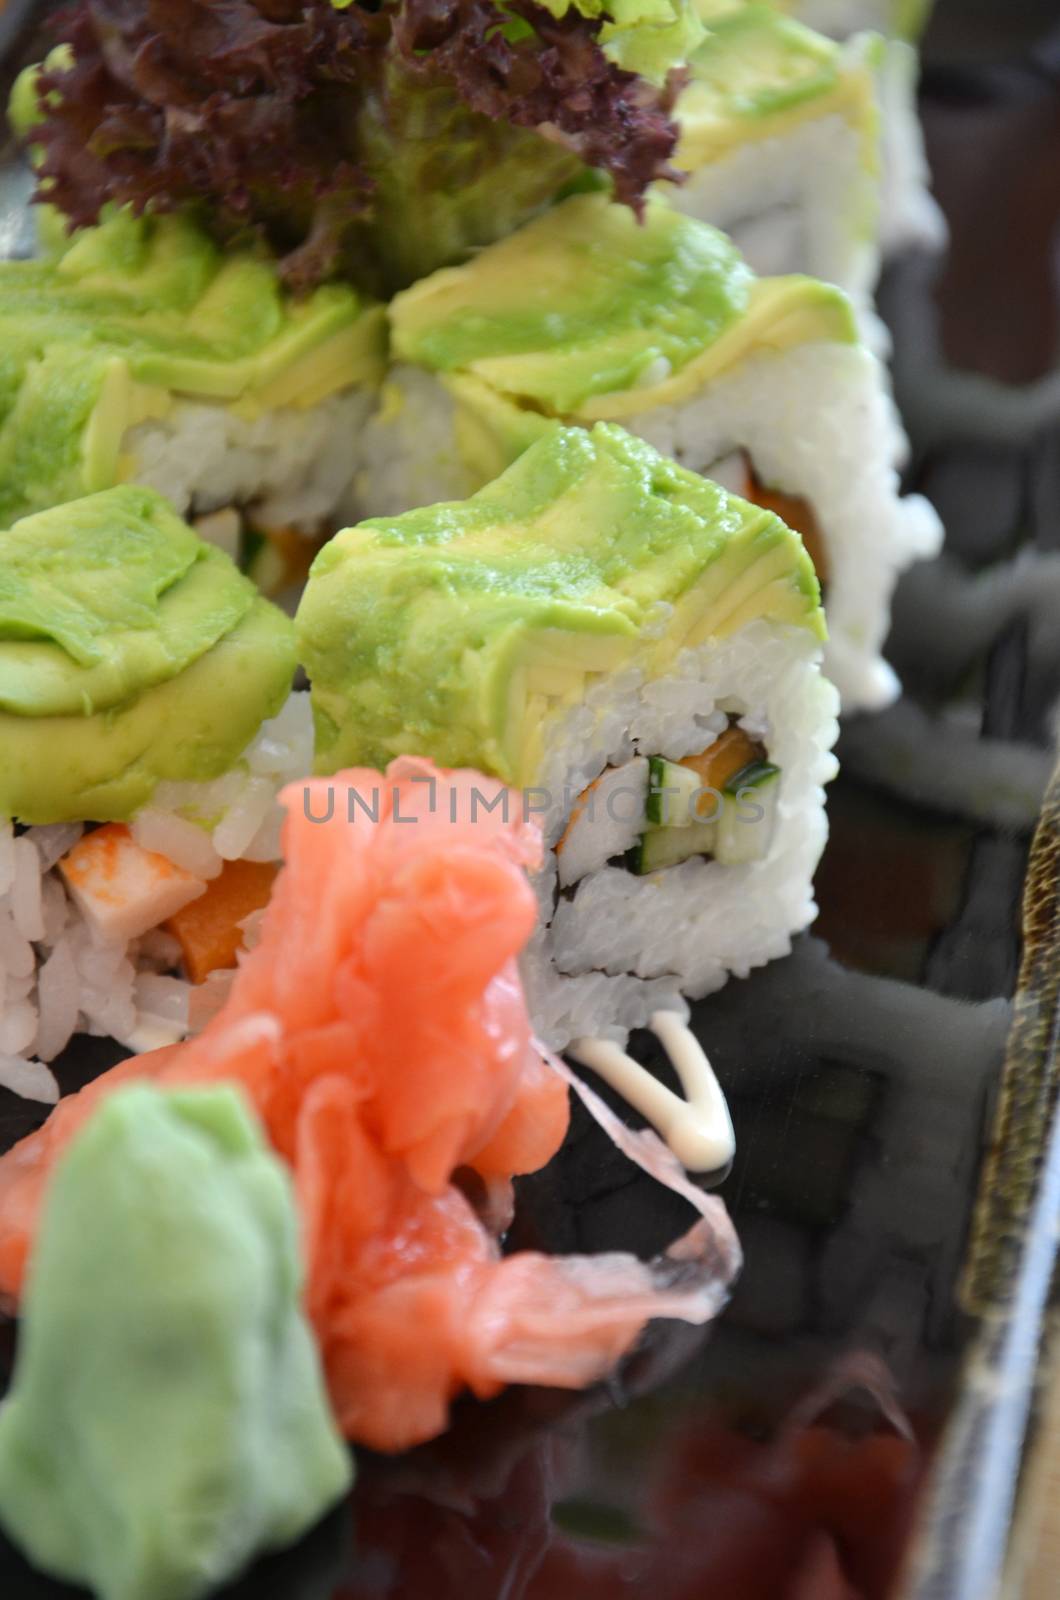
{"x": 897, "y": 1179}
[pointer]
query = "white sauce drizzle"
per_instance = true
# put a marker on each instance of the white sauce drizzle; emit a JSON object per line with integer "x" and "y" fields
{"x": 697, "y": 1129}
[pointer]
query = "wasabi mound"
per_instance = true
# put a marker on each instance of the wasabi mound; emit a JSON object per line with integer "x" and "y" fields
{"x": 168, "y": 1418}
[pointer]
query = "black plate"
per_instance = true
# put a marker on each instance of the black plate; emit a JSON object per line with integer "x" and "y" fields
{"x": 761, "y": 1456}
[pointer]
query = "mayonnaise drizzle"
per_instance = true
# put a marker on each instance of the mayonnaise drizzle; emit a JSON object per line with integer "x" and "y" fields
{"x": 697, "y": 1129}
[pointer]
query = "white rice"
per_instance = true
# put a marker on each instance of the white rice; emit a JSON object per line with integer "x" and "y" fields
{"x": 816, "y": 420}
{"x": 911, "y": 218}
{"x": 409, "y": 451}
{"x": 623, "y": 946}
{"x": 30, "y": 1079}
{"x": 294, "y": 464}
{"x": 802, "y": 201}
{"x": 58, "y": 978}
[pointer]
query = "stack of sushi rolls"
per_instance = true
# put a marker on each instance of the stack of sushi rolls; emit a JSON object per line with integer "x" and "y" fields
{"x": 910, "y": 217}
{"x": 610, "y": 465}
{"x": 146, "y": 723}
{"x": 139, "y": 352}
{"x": 586, "y": 315}
{"x": 639, "y": 652}
{"x": 766, "y": 74}
{"x": 780, "y": 137}
{"x": 581, "y": 499}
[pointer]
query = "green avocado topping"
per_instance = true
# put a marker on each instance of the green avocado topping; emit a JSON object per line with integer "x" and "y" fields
{"x": 757, "y": 74}
{"x": 104, "y": 597}
{"x": 136, "y": 313}
{"x": 130, "y": 652}
{"x": 901, "y": 19}
{"x": 756, "y": 63}
{"x": 586, "y": 315}
{"x": 457, "y": 630}
{"x": 168, "y": 1418}
{"x": 581, "y": 302}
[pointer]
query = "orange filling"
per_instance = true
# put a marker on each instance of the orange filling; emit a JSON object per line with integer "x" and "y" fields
{"x": 208, "y": 930}
{"x": 296, "y": 551}
{"x": 576, "y": 810}
{"x": 724, "y": 758}
{"x": 798, "y": 514}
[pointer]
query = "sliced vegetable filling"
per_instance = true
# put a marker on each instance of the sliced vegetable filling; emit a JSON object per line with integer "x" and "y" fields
{"x": 276, "y": 558}
{"x": 651, "y": 813}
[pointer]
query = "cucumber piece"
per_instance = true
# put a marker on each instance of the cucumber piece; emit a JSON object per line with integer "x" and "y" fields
{"x": 659, "y": 848}
{"x": 671, "y": 792}
{"x": 749, "y": 817}
{"x": 250, "y": 547}
{"x": 751, "y": 776}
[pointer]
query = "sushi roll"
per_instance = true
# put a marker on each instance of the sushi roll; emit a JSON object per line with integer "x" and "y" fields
{"x": 895, "y": 19}
{"x": 638, "y": 652}
{"x": 779, "y": 136}
{"x": 139, "y": 352}
{"x": 587, "y": 316}
{"x": 910, "y": 217}
{"x": 145, "y": 725}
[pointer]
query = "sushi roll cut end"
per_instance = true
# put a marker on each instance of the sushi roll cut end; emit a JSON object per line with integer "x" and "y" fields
{"x": 638, "y": 652}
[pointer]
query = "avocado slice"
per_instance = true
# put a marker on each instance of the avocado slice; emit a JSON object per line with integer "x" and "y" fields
{"x": 130, "y": 652}
{"x": 124, "y": 318}
{"x": 758, "y": 74}
{"x": 583, "y": 301}
{"x": 587, "y": 315}
{"x": 102, "y": 598}
{"x": 458, "y": 631}
{"x": 103, "y": 768}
